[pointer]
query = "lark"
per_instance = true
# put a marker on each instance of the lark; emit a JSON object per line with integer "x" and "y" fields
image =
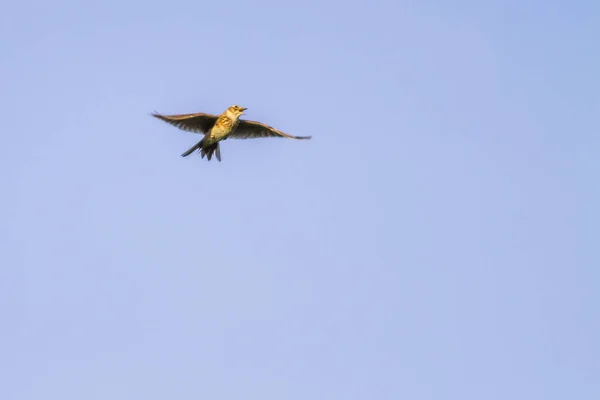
{"x": 217, "y": 128}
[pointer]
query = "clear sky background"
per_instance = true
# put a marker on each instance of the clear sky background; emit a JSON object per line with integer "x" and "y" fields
{"x": 436, "y": 239}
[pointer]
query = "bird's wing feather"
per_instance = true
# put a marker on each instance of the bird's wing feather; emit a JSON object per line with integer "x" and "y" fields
{"x": 252, "y": 130}
{"x": 197, "y": 123}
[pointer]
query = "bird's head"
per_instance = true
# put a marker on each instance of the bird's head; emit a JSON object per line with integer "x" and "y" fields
{"x": 235, "y": 111}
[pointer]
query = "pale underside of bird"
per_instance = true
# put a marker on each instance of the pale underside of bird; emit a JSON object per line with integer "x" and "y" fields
{"x": 221, "y": 127}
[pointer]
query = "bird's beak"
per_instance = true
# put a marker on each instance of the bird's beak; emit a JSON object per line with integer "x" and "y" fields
{"x": 243, "y": 109}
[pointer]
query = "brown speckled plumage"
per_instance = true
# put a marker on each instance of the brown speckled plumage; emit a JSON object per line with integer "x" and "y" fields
{"x": 221, "y": 127}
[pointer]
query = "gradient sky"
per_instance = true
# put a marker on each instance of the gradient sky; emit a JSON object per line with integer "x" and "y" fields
{"x": 436, "y": 239}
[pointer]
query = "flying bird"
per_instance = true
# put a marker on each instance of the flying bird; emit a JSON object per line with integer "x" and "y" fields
{"x": 221, "y": 127}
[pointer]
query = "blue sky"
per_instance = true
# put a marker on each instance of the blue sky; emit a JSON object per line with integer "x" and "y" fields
{"x": 436, "y": 239}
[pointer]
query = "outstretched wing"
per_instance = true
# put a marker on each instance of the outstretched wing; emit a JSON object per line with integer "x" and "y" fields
{"x": 197, "y": 123}
{"x": 253, "y": 130}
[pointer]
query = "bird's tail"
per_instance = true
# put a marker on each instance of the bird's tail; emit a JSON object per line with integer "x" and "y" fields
{"x": 205, "y": 150}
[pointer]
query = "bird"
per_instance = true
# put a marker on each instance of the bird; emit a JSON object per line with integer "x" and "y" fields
{"x": 217, "y": 128}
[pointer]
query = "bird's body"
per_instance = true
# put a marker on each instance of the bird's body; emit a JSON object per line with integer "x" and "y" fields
{"x": 221, "y": 127}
